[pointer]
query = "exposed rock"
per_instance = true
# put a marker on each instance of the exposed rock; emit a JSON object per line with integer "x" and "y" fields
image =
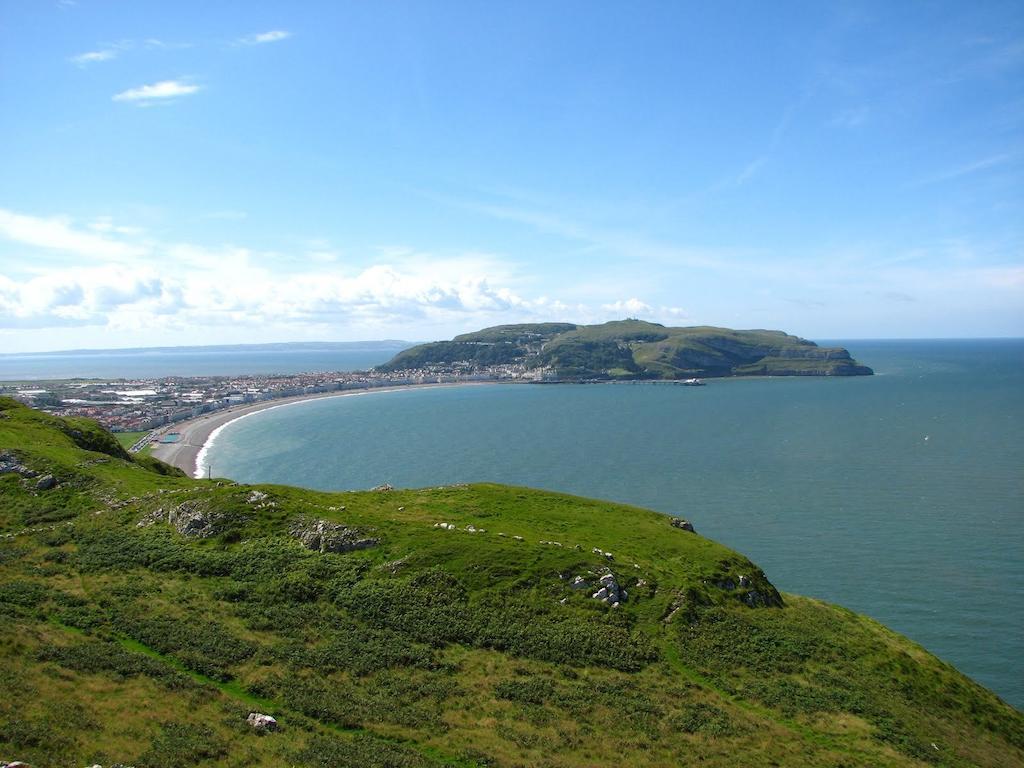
{"x": 609, "y": 592}
{"x": 256, "y": 497}
{"x": 190, "y": 519}
{"x": 324, "y": 536}
{"x": 744, "y": 581}
{"x": 683, "y": 525}
{"x": 46, "y": 482}
{"x": 261, "y": 722}
{"x": 519, "y": 538}
{"x": 383, "y": 488}
{"x": 156, "y": 516}
{"x": 10, "y": 463}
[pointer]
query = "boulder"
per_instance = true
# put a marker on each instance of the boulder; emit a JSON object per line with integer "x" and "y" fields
{"x": 683, "y": 525}
{"x": 383, "y": 488}
{"x": 324, "y": 536}
{"x": 261, "y": 722}
{"x": 46, "y": 482}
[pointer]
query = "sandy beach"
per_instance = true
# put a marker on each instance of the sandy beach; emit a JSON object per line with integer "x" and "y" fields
{"x": 196, "y": 433}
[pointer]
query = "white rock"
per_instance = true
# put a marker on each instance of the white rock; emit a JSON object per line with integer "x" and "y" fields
{"x": 261, "y": 722}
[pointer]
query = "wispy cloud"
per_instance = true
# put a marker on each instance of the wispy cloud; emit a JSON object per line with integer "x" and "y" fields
{"x": 260, "y": 38}
{"x": 949, "y": 174}
{"x": 92, "y": 57}
{"x": 622, "y": 243}
{"x": 58, "y": 233}
{"x": 163, "y": 91}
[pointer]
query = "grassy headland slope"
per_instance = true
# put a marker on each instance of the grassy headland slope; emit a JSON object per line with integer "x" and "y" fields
{"x": 634, "y": 349}
{"x": 146, "y": 614}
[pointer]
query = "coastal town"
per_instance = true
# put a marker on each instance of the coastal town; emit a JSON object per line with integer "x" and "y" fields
{"x": 150, "y": 405}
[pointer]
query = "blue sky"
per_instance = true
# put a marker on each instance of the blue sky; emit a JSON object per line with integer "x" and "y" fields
{"x": 194, "y": 172}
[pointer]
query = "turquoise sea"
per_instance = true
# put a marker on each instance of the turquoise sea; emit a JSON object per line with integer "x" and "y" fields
{"x": 899, "y": 495}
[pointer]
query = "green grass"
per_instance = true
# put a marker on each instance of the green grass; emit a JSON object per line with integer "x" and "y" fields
{"x": 128, "y": 439}
{"x": 138, "y": 645}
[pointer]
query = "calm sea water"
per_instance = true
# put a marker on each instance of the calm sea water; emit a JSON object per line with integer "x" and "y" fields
{"x": 898, "y": 495}
{"x": 153, "y": 364}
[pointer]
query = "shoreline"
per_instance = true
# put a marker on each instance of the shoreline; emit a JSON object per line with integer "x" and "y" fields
{"x": 198, "y": 434}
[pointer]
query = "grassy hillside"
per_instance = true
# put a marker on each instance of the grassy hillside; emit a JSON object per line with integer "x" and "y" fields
{"x": 462, "y": 644}
{"x": 632, "y": 349}
{"x": 500, "y": 345}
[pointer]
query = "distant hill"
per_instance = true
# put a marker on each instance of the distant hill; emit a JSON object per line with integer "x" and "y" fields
{"x": 633, "y": 349}
{"x": 147, "y": 614}
{"x": 284, "y": 346}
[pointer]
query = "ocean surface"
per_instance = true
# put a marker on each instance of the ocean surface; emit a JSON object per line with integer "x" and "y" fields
{"x": 900, "y": 495}
{"x": 191, "y": 361}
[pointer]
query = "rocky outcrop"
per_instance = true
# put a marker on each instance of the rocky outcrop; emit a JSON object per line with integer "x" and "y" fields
{"x": 324, "y": 536}
{"x": 754, "y": 591}
{"x": 9, "y": 462}
{"x": 610, "y": 593}
{"x": 189, "y": 518}
{"x": 608, "y": 590}
{"x": 683, "y": 525}
{"x": 261, "y": 722}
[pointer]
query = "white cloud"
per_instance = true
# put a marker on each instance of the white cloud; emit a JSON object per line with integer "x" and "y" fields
{"x": 106, "y": 224}
{"x": 259, "y": 38}
{"x": 91, "y": 57}
{"x": 89, "y": 296}
{"x": 58, "y": 234}
{"x": 162, "y": 91}
{"x": 630, "y": 307}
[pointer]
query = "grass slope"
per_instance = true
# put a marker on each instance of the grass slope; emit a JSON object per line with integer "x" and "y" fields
{"x": 634, "y": 349}
{"x": 436, "y": 648}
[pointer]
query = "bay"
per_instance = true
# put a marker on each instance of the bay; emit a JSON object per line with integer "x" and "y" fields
{"x": 898, "y": 495}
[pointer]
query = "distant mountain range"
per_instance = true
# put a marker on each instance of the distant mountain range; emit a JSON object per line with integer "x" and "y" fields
{"x": 633, "y": 349}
